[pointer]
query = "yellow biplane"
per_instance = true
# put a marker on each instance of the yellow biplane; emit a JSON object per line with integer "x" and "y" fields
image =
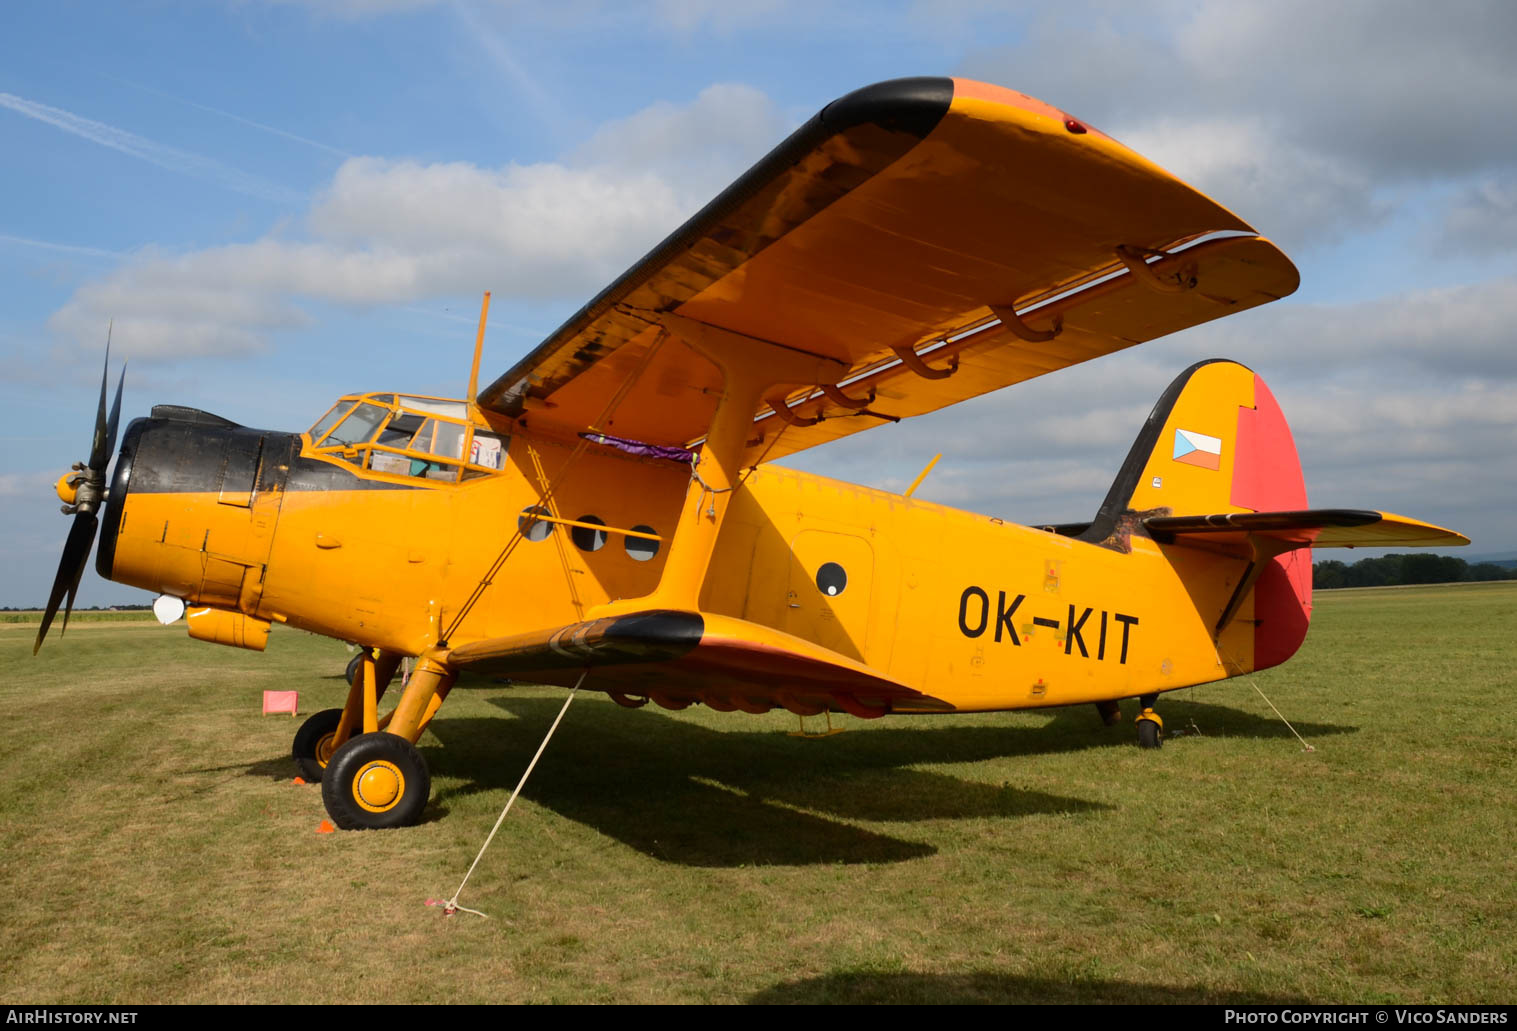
{"x": 607, "y": 512}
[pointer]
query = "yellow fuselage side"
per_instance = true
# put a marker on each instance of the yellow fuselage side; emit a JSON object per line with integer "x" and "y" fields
{"x": 967, "y": 609}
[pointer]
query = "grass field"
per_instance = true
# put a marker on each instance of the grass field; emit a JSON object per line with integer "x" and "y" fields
{"x": 153, "y": 847}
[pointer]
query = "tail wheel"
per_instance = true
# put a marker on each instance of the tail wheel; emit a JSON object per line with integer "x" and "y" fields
{"x": 314, "y": 746}
{"x": 1148, "y": 735}
{"x": 376, "y": 781}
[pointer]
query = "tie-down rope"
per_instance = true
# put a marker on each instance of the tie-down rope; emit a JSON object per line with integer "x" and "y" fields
{"x": 451, "y": 906}
{"x": 1249, "y": 676}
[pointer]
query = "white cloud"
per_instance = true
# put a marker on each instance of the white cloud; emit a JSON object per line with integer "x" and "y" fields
{"x": 1406, "y": 403}
{"x": 538, "y": 229}
{"x": 696, "y": 146}
{"x": 395, "y": 231}
{"x": 1437, "y": 335}
{"x": 26, "y": 485}
{"x": 1305, "y": 117}
{"x": 1297, "y": 195}
{"x": 1483, "y": 218}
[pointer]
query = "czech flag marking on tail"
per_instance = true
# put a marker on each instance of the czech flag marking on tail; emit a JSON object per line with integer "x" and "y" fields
{"x": 1194, "y": 448}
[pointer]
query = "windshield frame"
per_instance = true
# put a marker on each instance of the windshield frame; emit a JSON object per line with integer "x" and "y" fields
{"x": 405, "y": 457}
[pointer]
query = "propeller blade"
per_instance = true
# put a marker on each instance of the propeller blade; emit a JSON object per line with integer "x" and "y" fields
{"x": 76, "y": 554}
{"x": 115, "y": 419}
{"x": 99, "y": 449}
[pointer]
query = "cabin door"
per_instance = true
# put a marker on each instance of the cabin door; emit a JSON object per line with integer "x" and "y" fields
{"x": 831, "y": 584}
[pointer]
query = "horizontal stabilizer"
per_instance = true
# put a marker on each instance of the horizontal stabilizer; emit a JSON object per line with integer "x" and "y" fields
{"x": 681, "y": 657}
{"x": 1315, "y": 528}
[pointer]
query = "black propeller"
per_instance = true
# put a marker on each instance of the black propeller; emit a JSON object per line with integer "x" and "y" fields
{"x": 88, "y": 482}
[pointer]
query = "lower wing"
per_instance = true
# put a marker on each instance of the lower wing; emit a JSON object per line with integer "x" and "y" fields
{"x": 676, "y": 658}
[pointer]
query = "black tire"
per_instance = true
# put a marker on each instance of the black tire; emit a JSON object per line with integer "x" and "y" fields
{"x": 376, "y": 781}
{"x": 1149, "y": 735}
{"x": 352, "y": 671}
{"x": 313, "y": 744}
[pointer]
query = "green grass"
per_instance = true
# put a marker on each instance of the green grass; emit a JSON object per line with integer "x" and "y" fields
{"x": 154, "y": 849}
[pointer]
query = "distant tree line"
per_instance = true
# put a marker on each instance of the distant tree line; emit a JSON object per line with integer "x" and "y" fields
{"x": 1390, "y": 570}
{"x": 77, "y": 608}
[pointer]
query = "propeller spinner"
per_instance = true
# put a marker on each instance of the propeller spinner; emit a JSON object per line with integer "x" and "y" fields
{"x": 83, "y": 492}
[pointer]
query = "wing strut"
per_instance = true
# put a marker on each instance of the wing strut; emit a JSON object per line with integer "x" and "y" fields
{"x": 546, "y": 497}
{"x": 1265, "y": 549}
{"x": 750, "y": 368}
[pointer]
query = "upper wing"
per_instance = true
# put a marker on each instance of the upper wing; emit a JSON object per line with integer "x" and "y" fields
{"x": 970, "y": 225}
{"x": 1316, "y": 528}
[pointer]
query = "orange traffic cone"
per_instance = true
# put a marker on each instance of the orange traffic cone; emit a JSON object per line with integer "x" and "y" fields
{"x": 325, "y": 827}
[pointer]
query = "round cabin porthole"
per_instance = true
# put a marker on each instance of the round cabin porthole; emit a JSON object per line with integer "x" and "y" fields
{"x": 641, "y": 549}
{"x": 586, "y": 539}
{"x": 532, "y": 524}
{"x": 831, "y": 580}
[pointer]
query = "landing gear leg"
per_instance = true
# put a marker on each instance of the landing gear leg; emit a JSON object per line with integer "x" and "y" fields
{"x": 318, "y": 737}
{"x": 379, "y": 779}
{"x": 1150, "y": 726}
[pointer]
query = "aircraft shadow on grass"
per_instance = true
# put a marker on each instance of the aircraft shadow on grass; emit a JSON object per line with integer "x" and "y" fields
{"x": 687, "y": 794}
{"x": 907, "y": 988}
{"x": 683, "y": 793}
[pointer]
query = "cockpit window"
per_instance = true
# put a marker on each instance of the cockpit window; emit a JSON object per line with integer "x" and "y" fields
{"x": 487, "y": 449}
{"x": 399, "y": 431}
{"x": 406, "y": 435}
{"x": 326, "y": 422}
{"x": 359, "y": 426}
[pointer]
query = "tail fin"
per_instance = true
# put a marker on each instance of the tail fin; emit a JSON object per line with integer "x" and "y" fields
{"x": 1215, "y": 468}
{"x": 1217, "y": 443}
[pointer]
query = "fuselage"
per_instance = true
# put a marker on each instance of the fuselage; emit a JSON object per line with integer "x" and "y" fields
{"x": 972, "y": 611}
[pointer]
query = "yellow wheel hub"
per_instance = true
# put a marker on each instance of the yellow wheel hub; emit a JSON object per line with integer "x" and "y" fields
{"x": 378, "y": 786}
{"x": 324, "y": 749}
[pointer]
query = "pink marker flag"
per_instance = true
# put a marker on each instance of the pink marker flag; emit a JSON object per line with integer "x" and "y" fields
{"x": 280, "y": 701}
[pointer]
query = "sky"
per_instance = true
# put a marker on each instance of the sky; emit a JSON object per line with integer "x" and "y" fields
{"x": 280, "y": 201}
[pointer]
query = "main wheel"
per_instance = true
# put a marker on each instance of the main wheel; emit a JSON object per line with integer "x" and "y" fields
{"x": 351, "y": 674}
{"x": 375, "y": 781}
{"x": 1148, "y": 735}
{"x": 313, "y": 744}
